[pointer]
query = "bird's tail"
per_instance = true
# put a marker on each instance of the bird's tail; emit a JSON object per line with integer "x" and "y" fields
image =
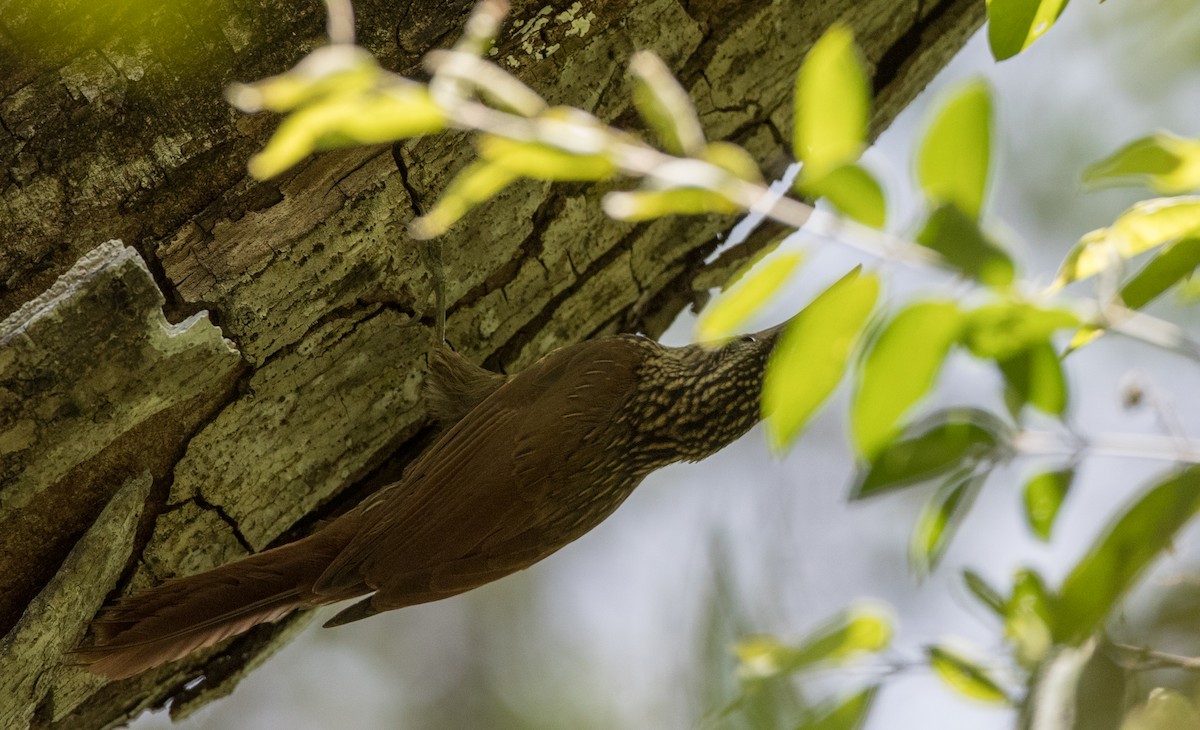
{"x": 172, "y": 620}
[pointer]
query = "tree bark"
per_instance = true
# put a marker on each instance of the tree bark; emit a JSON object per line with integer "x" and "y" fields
{"x": 249, "y": 361}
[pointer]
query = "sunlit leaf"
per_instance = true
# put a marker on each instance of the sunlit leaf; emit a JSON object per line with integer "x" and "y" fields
{"x": 728, "y": 314}
{"x": 1144, "y": 226}
{"x": 641, "y": 205}
{"x": 665, "y": 105}
{"x": 863, "y": 628}
{"x": 1035, "y": 377}
{"x": 952, "y": 162}
{"x": 939, "y": 519}
{"x": 1013, "y": 25}
{"x": 999, "y": 331}
{"x": 832, "y": 104}
{"x": 1118, "y": 557}
{"x": 476, "y": 183}
{"x": 1164, "y": 709}
{"x": 965, "y": 676}
{"x": 982, "y": 590}
{"x": 812, "y": 353}
{"x": 542, "y": 161}
{"x": 852, "y": 190}
{"x": 1044, "y": 494}
{"x": 848, "y": 714}
{"x": 899, "y": 369}
{"x": 733, "y": 159}
{"x": 341, "y": 70}
{"x": 964, "y": 245}
{"x": 1171, "y": 265}
{"x": 951, "y": 440}
{"x": 1163, "y": 162}
{"x": 1029, "y": 618}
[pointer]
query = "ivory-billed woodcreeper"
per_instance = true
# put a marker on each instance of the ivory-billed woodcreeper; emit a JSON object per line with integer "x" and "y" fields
{"x": 534, "y": 461}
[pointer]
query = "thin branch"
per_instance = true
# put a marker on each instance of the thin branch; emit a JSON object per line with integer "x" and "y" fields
{"x": 1144, "y": 658}
{"x": 1123, "y": 445}
{"x": 339, "y": 22}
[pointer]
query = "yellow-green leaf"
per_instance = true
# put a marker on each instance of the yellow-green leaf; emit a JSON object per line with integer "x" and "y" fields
{"x": 641, "y": 205}
{"x": 1029, "y": 616}
{"x": 1044, "y": 494}
{"x": 952, "y": 162}
{"x": 1171, "y": 265}
{"x": 852, "y": 190}
{"x": 1164, "y": 709}
{"x": 965, "y": 676}
{"x": 476, "y": 183}
{"x": 832, "y": 104}
{"x": 1035, "y": 377}
{"x": 1146, "y": 225}
{"x": 982, "y": 590}
{"x": 728, "y": 314}
{"x": 811, "y": 356}
{"x": 963, "y": 244}
{"x": 848, "y": 714}
{"x": 1013, "y": 25}
{"x": 544, "y": 162}
{"x": 1004, "y": 329}
{"x": 939, "y": 519}
{"x": 665, "y": 105}
{"x": 899, "y": 369}
{"x": 1163, "y": 162}
{"x": 1127, "y": 547}
{"x": 733, "y": 159}
{"x": 862, "y": 628}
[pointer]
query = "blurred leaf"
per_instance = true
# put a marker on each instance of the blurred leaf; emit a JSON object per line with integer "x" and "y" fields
{"x": 1044, "y": 494}
{"x": 1013, "y": 25}
{"x": 1086, "y": 334}
{"x": 476, "y": 183}
{"x": 811, "y": 356}
{"x": 852, "y": 190}
{"x": 952, "y": 162}
{"x": 339, "y": 70}
{"x": 1035, "y": 377}
{"x": 863, "y": 628}
{"x": 1117, "y": 558}
{"x": 964, "y": 245}
{"x": 980, "y": 588}
{"x": 965, "y": 676}
{"x": 641, "y": 205}
{"x": 940, "y": 517}
{"x": 849, "y": 714}
{"x": 1002, "y": 330}
{"x": 665, "y": 105}
{"x": 1167, "y": 164}
{"x": 544, "y": 162}
{"x": 727, "y": 315}
{"x": 1144, "y": 226}
{"x": 1164, "y": 709}
{"x": 1029, "y": 618}
{"x": 1171, "y": 265}
{"x": 733, "y": 159}
{"x": 832, "y": 104}
{"x": 899, "y": 369}
{"x": 946, "y": 441}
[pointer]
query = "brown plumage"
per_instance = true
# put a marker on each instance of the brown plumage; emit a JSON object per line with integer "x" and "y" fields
{"x": 533, "y": 461}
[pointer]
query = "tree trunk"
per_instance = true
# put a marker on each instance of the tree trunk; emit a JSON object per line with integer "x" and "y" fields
{"x": 283, "y": 382}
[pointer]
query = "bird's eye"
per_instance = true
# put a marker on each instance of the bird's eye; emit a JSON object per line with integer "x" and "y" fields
{"x": 748, "y": 339}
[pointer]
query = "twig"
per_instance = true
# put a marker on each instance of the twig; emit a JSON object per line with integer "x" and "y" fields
{"x": 1124, "y": 445}
{"x": 339, "y": 22}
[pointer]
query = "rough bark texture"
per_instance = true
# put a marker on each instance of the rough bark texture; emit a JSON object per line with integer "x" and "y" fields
{"x": 132, "y": 449}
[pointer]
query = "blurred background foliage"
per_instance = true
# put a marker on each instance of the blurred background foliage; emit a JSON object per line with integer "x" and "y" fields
{"x": 718, "y": 597}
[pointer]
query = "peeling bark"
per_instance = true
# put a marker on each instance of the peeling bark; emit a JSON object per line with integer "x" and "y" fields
{"x": 307, "y": 396}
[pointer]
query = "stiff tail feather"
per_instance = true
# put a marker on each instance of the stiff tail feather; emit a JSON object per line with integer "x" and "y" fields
{"x": 171, "y": 620}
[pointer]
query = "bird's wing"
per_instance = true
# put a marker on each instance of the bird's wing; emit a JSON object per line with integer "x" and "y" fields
{"x": 485, "y": 482}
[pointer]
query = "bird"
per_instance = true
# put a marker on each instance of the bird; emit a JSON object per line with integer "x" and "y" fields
{"x": 529, "y": 463}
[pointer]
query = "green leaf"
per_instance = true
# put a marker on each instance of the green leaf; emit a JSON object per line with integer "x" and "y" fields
{"x": 641, "y": 205}
{"x": 852, "y": 190}
{"x": 1146, "y": 225}
{"x": 727, "y": 315}
{"x": 863, "y": 628}
{"x": 1117, "y": 558}
{"x": 665, "y": 105}
{"x": 940, "y": 517}
{"x": 1013, "y": 25}
{"x": 476, "y": 183}
{"x": 1171, "y": 265}
{"x": 952, "y": 162}
{"x": 1164, "y": 709}
{"x": 982, "y": 590}
{"x": 964, "y": 245}
{"x": 544, "y": 162}
{"x": 1163, "y": 162}
{"x": 956, "y": 439}
{"x": 811, "y": 356}
{"x": 899, "y": 369}
{"x": 1004, "y": 329}
{"x": 1035, "y": 377}
{"x": 848, "y": 714}
{"x": 832, "y": 104}
{"x": 1029, "y": 618}
{"x": 965, "y": 676}
{"x": 1044, "y": 494}
{"x": 733, "y": 159}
